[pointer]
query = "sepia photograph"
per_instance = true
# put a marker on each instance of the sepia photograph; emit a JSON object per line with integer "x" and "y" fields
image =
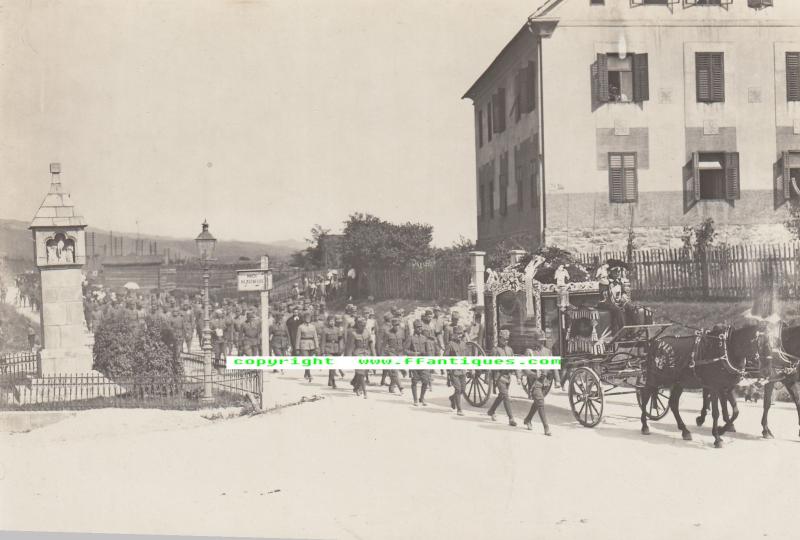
{"x": 399, "y": 269}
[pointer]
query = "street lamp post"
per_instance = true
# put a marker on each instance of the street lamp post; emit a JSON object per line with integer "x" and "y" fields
{"x": 205, "y": 246}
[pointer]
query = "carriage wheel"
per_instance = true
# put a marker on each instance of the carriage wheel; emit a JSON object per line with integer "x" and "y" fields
{"x": 586, "y": 396}
{"x": 658, "y": 406}
{"x": 476, "y": 390}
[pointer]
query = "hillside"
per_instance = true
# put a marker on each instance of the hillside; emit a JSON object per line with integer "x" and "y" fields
{"x": 15, "y": 243}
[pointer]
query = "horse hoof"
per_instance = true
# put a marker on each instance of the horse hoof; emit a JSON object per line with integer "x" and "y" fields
{"x": 767, "y": 434}
{"x": 645, "y": 430}
{"x": 687, "y": 435}
{"x": 700, "y": 420}
{"x": 717, "y": 444}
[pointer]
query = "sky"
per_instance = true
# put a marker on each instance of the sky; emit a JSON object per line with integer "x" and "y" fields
{"x": 265, "y": 117}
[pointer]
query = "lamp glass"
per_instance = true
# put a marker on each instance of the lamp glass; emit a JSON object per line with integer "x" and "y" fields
{"x": 206, "y": 243}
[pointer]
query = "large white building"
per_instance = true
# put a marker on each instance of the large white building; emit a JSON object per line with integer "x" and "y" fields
{"x": 599, "y": 116}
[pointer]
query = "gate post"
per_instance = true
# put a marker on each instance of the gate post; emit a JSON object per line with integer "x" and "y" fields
{"x": 477, "y": 270}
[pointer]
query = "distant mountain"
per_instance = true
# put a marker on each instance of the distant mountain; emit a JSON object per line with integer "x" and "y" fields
{"x": 16, "y": 243}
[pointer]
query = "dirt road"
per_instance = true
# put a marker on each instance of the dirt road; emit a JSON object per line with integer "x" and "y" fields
{"x": 345, "y": 467}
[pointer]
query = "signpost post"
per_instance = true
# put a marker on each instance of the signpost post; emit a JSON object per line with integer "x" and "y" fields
{"x": 259, "y": 280}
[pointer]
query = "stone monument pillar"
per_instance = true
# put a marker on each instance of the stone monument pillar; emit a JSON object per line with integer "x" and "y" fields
{"x": 516, "y": 255}
{"x": 477, "y": 270}
{"x": 60, "y": 253}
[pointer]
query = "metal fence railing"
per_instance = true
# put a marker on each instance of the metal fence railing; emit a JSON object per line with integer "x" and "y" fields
{"x": 85, "y": 391}
{"x": 18, "y": 365}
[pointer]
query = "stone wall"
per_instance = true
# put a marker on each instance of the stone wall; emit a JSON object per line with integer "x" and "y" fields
{"x": 588, "y": 240}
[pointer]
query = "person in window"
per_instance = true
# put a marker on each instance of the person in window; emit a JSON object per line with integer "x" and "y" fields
{"x": 614, "y": 93}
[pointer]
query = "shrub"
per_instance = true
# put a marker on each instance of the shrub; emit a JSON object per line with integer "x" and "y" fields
{"x": 125, "y": 348}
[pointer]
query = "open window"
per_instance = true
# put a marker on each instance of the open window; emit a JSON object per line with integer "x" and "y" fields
{"x": 711, "y": 176}
{"x": 787, "y": 178}
{"x": 621, "y": 80}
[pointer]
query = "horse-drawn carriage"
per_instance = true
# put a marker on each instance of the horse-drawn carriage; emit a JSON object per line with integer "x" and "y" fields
{"x": 598, "y": 357}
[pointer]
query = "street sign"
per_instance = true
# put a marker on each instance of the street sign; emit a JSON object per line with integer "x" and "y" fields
{"x": 257, "y": 280}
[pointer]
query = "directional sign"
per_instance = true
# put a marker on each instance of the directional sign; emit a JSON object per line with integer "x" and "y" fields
{"x": 254, "y": 280}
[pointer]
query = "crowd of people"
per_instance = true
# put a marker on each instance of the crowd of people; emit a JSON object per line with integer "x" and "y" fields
{"x": 305, "y": 326}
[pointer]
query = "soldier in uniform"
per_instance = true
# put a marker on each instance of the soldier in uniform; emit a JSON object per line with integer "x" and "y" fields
{"x": 502, "y": 378}
{"x": 392, "y": 345}
{"x": 279, "y": 340}
{"x": 218, "y": 335}
{"x": 384, "y": 327}
{"x": 358, "y": 342}
{"x": 307, "y": 340}
{"x": 458, "y": 377}
{"x": 292, "y": 324}
{"x": 251, "y": 330}
{"x": 332, "y": 339}
{"x": 175, "y": 323}
{"x": 536, "y": 380}
{"x": 338, "y": 322}
{"x": 419, "y": 344}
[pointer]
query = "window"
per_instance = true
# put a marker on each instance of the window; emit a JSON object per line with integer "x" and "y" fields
{"x": 758, "y": 4}
{"x": 793, "y": 76}
{"x": 708, "y": 2}
{"x": 655, "y": 2}
{"x": 597, "y": 2}
{"x": 499, "y": 110}
{"x": 787, "y": 182}
{"x": 480, "y": 127}
{"x": 710, "y": 75}
{"x": 622, "y": 80}
{"x": 622, "y": 180}
{"x": 712, "y": 176}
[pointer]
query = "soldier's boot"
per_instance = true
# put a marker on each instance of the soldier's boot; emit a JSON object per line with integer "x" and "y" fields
{"x": 422, "y": 394}
{"x": 383, "y": 378}
{"x": 414, "y": 393}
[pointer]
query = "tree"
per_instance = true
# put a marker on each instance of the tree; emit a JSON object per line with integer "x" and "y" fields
{"x": 370, "y": 241}
{"x": 312, "y": 256}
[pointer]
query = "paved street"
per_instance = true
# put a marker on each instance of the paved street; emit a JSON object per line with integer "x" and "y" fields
{"x": 380, "y": 468}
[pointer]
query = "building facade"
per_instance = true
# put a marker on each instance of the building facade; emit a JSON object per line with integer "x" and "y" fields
{"x": 604, "y": 117}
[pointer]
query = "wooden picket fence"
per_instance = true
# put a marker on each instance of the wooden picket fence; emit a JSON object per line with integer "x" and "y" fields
{"x": 418, "y": 282}
{"x": 730, "y": 272}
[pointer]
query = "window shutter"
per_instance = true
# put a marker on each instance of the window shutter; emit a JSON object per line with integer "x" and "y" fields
{"x": 793, "y": 76}
{"x": 602, "y": 78}
{"x": 718, "y": 77}
{"x": 641, "y": 83}
{"x": 499, "y": 110}
{"x": 616, "y": 189}
{"x": 703, "y": 75}
{"x": 530, "y": 88}
{"x": 629, "y": 177}
{"x": 732, "y": 176}
{"x": 691, "y": 185}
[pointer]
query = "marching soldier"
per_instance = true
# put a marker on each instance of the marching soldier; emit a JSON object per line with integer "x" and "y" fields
{"x": 332, "y": 339}
{"x": 279, "y": 340}
{"x": 251, "y": 329}
{"x": 292, "y": 324}
{"x": 536, "y": 379}
{"x": 458, "y": 377}
{"x": 420, "y": 345}
{"x": 392, "y": 345}
{"x": 307, "y": 340}
{"x": 387, "y": 324}
{"x": 359, "y": 343}
{"x": 502, "y": 379}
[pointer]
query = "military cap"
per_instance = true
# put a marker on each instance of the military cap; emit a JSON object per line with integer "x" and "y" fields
{"x": 455, "y": 314}
{"x": 387, "y": 316}
{"x": 360, "y": 320}
{"x": 337, "y": 318}
{"x": 536, "y": 334}
{"x": 395, "y": 320}
{"x": 369, "y": 311}
{"x": 458, "y": 330}
{"x": 417, "y": 323}
{"x": 505, "y": 334}
{"x": 428, "y": 312}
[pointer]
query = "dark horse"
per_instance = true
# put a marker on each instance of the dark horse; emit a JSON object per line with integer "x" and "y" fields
{"x": 713, "y": 360}
{"x": 780, "y": 365}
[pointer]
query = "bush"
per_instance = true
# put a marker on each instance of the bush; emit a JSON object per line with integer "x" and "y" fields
{"x": 125, "y": 348}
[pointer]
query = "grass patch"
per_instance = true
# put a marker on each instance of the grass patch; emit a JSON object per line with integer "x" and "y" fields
{"x": 14, "y": 330}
